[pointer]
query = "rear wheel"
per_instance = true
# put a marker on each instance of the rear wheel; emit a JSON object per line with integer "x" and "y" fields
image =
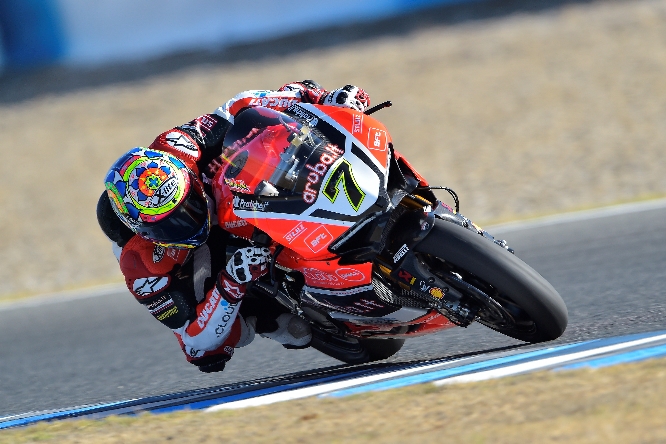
{"x": 513, "y": 298}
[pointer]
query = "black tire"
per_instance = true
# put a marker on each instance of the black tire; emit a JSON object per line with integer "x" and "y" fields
{"x": 379, "y": 349}
{"x": 531, "y": 309}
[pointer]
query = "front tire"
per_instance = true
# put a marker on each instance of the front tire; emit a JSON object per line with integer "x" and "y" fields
{"x": 523, "y": 304}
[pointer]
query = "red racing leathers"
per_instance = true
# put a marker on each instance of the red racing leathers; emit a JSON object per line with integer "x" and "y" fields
{"x": 190, "y": 291}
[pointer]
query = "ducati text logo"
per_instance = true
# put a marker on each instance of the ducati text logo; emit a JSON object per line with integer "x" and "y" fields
{"x": 401, "y": 252}
{"x": 319, "y": 170}
{"x": 273, "y": 102}
{"x": 209, "y": 308}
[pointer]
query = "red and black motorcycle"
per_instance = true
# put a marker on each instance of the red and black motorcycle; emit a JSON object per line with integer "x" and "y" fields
{"x": 362, "y": 248}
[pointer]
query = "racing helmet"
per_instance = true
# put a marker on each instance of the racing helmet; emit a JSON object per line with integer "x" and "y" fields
{"x": 159, "y": 198}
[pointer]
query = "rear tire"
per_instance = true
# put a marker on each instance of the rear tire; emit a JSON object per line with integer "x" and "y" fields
{"x": 525, "y": 306}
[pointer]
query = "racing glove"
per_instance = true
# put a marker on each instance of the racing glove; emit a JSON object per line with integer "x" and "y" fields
{"x": 248, "y": 264}
{"x": 311, "y": 91}
{"x": 349, "y": 96}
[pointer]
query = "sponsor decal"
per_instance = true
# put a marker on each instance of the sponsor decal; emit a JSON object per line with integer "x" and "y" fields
{"x": 430, "y": 318}
{"x": 357, "y": 123}
{"x": 160, "y": 304}
{"x": 319, "y": 170}
{"x": 343, "y": 174}
{"x": 273, "y": 102}
{"x": 436, "y": 292}
{"x": 295, "y": 232}
{"x": 229, "y": 312}
{"x": 401, "y": 252}
{"x": 173, "y": 253}
{"x": 232, "y": 290}
{"x": 158, "y": 253}
{"x": 206, "y": 122}
{"x": 318, "y": 239}
{"x": 235, "y": 224}
{"x": 314, "y": 274}
{"x": 182, "y": 143}
{"x": 146, "y": 286}
{"x": 341, "y": 292}
{"x": 195, "y": 353}
{"x": 304, "y": 115}
{"x": 350, "y": 274}
{"x": 210, "y": 306}
{"x": 201, "y": 124}
{"x": 167, "y": 314}
{"x": 406, "y": 276}
{"x": 249, "y": 205}
{"x": 237, "y": 185}
{"x": 365, "y": 306}
{"x": 377, "y": 139}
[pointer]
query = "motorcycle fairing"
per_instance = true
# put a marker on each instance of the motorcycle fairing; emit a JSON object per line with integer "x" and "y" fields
{"x": 360, "y": 300}
{"x": 390, "y": 326}
{"x": 350, "y": 178}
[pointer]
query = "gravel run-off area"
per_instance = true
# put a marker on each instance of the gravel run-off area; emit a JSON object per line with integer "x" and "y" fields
{"x": 523, "y": 113}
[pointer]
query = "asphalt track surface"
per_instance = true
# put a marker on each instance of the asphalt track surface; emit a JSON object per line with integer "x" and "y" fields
{"x": 610, "y": 270}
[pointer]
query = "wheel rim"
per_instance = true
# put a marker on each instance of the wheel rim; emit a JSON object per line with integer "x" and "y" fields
{"x": 496, "y": 311}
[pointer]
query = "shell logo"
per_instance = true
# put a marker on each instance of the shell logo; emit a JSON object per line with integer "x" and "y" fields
{"x": 436, "y": 292}
{"x": 350, "y": 274}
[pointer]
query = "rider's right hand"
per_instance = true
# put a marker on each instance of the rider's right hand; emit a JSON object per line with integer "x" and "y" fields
{"x": 349, "y": 96}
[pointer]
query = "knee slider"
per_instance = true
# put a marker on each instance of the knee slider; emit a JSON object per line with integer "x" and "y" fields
{"x": 211, "y": 364}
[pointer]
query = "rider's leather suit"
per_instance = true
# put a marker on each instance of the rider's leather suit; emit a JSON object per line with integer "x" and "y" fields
{"x": 190, "y": 291}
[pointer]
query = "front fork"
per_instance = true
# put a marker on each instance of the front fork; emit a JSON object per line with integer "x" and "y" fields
{"x": 415, "y": 280}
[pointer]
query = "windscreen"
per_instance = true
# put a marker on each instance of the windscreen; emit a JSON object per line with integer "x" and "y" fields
{"x": 267, "y": 152}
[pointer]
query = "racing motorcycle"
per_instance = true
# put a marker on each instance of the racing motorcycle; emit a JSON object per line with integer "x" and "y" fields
{"x": 361, "y": 246}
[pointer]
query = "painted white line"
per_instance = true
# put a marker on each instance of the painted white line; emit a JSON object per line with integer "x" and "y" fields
{"x": 543, "y": 363}
{"x": 65, "y": 296}
{"x": 578, "y": 216}
{"x": 320, "y": 389}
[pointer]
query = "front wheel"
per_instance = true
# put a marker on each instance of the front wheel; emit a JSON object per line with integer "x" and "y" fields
{"x": 520, "y": 303}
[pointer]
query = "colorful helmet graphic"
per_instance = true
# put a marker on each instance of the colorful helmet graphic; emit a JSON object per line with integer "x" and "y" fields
{"x": 159, "y": 198}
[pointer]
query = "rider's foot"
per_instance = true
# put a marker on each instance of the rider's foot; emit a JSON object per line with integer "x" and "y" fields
{"x": 292, "y": 331}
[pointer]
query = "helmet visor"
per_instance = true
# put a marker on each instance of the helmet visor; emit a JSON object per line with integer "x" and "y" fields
{"x": 187, "y": 224}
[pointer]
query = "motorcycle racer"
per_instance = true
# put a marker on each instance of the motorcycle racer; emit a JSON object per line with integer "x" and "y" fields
{"x": 159, "y": 214}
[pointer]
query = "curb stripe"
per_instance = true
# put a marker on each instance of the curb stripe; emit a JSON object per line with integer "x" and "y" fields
{"x": 545, "y": 363}
{"x": 622, "y": 358}
{"x": 346, "y": 386}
